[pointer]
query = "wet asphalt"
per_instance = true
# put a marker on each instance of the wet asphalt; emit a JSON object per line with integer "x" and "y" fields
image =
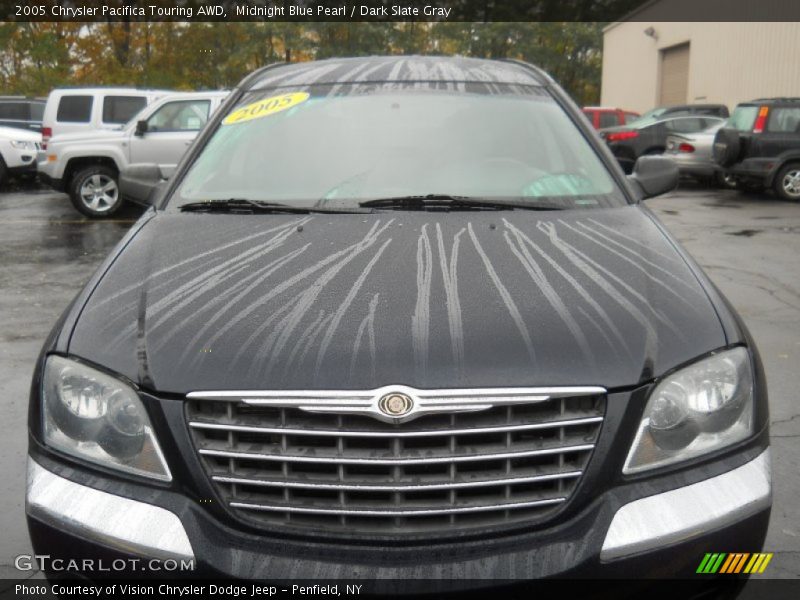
{"x": 749, "y": 244}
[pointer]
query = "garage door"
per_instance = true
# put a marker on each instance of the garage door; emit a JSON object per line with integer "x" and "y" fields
{"x": 674, "y": 75}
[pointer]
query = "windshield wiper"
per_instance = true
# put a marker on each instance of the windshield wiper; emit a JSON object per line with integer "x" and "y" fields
{"x": 452, "y": 203}
{"x": 244, "y": 205}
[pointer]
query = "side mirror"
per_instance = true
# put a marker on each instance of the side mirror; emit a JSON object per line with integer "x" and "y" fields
{"x": 141, "y": 127}
{"x": 653, "y": 176}
{"x": 140, "y": 183}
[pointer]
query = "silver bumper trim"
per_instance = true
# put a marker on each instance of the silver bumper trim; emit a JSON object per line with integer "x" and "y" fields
{"x": 120, "y": 523}
{"x": 677, "y": 515}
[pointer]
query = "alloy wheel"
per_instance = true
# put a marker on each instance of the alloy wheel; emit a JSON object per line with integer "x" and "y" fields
{"x": 791, "y": 183}
{"x": 99, "y": 193}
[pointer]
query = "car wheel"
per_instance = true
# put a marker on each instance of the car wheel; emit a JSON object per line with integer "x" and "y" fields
{"x": 3, "y": 172}
{"x": 787, "y": 183}
{"x": 94, "y": 191}
{"x": 726, "y": 180}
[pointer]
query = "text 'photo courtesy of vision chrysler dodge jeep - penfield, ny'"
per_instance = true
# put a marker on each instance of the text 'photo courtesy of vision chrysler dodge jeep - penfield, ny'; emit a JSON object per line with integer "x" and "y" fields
{"x": 400, "y": 318}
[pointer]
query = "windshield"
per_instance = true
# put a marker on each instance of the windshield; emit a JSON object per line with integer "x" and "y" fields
{"x": 743, "y": 118}
{"x": 338, "y": 146}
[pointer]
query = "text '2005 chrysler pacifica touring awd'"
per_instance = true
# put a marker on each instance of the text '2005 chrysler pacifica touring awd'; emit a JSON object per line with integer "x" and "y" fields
{"x": 400, "y": 317}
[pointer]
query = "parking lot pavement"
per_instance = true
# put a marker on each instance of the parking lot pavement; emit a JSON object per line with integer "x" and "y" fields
{"x": 749, "y": 245}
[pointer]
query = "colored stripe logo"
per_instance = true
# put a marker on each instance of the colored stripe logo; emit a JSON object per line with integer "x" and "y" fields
{"x": 735, "y": 562}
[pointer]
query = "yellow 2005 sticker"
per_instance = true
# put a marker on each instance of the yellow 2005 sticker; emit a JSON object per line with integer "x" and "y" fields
{"x": 265, "y": 107}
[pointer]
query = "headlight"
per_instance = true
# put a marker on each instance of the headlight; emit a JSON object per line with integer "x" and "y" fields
{"x": 96, "y": 417}
{"x": 699, "y": 409}
{"x": 24, "y": 145}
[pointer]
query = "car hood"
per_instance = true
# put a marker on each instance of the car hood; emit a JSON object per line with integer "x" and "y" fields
{"x": 432, "y": 300}
{"x": 20, "y": 135}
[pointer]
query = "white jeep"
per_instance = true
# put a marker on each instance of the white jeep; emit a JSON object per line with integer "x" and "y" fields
{"x": 18, "y": 150}
{"x": 87, "y": 165}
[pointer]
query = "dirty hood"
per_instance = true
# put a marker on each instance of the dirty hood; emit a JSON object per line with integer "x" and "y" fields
{"x": 465, "y": 299}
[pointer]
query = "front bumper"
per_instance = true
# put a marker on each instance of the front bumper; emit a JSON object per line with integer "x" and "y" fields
{"x": 47, "y": 175}
{"x": 691, "y": 166}
{"x": 639, "y": 528}
{"x": 23, "y": 167}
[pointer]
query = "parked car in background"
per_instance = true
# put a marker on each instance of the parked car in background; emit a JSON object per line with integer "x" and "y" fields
{"x": 73, "y": 110}
{"x": 709, "y": 110}
{"x": 604, "y": 116}
{"x": 760, "y": 146}
{"x": 18, "y": 149}
{"x": 692, "y": 153}
{"x": 649, "y": 136}
{"x": 22, "y": 112}
{"x": 86, "y": 165}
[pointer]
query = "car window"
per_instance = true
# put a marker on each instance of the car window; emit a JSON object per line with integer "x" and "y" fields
{"x": 630, "y": 117}
{"x": 743, "y": 118}
{"x": 37, "y": 111}
{"x": 186, "y": 115}
{"x": 608, "y": 119}
{"x": 344, "y": 144}
{"x": 75, "y": 109}
{"x": 784, "y": 120}
{"x": 648, "y": 118}
{"x": 14, "y": 111}
{"x": 120, "y": 109}
{"x": 686, "y": 125}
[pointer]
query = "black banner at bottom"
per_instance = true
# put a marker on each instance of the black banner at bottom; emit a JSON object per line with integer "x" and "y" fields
{"x": 713, "y": 588}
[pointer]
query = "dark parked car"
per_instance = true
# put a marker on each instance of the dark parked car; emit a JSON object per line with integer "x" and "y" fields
{"x": 603, "y": 116}
{"x": 22, "y": 112}
{"x": 649, "y": 135}
{"x": 760, "y": 146}
{"x": 400, "y": 318}
{"x": 706, "y": 110}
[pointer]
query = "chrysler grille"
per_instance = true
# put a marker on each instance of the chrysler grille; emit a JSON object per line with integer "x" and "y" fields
{"x": 485, "y": 459}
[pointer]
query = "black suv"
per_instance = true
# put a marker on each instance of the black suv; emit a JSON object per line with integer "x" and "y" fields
{"x": 760, "y": 145}
{"x": 21, "y": 112}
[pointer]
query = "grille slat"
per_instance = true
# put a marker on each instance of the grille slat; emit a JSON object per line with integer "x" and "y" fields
{"x": 395, "y": 461}
{"x": 389, "y": 434}
{"x": 408, "y": 487}
{"x": 397, "y": 512}
{"x": 325, "y": 470}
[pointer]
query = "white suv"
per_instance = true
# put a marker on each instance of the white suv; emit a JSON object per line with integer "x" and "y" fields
{"x": 71, "y": 110}
{"x": 87, "y": 165}
{"x": 18, "y": 150}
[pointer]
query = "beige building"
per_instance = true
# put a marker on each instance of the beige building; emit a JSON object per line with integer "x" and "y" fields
{"x": 648, "y": 63}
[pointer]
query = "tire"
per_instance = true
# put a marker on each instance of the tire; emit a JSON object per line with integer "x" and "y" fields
{"x": 94, "y": 191}
{"x": 3, "y": 172}
{"x": 787, "y": 182}
{"x": 726, "y": 181}
{"x": 727, "y": 147}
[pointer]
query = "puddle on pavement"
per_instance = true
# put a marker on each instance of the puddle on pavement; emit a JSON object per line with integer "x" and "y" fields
{"x": 745, "y": 232}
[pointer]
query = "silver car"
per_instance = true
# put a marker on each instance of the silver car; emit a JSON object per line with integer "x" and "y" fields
{"x": 692, "y": 152}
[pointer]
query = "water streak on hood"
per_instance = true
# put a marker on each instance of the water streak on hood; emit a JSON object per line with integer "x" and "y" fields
{"x": 462, "y": 299}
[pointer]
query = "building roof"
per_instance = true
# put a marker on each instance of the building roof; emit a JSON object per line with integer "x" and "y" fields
{"x": 397, "y": 69}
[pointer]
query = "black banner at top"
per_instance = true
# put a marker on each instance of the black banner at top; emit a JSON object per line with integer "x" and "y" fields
{"x": 398, "y": 10}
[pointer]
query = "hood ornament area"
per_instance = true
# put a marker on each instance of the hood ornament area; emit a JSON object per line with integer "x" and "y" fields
{"x": 396, "y": 403}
